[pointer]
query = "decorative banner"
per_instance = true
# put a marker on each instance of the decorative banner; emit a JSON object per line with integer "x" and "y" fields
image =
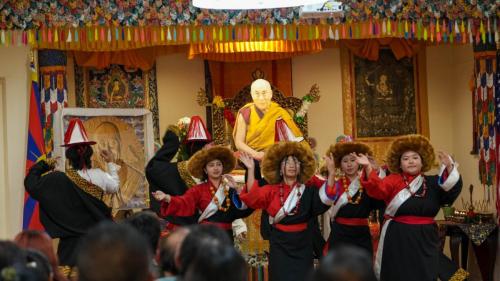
{"x": 32, "y": 14}
{"x": 126, "y": 38}
{"x": 486, "y": 118}
{"x": 53, "y": 91}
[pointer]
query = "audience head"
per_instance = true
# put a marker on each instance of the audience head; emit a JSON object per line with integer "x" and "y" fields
{"x": 17, "y": 264}
{"x": 170, "y": 249}
{"x": 345, "y": 263}
{"x": 114, "y": 252}
{"x": 10, "y": 254}
{"x": 148, "y": 224}
{"x": 217, "y": 261}
{"x": 199, "y": 236}
{"x": 41, "y": 241}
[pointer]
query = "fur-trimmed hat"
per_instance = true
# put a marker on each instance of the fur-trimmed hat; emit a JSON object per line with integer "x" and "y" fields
{"x": 200, "y": 159}
{"x": 271, "y": 164}
{"x": 417, "y": 143}
{"x": 346, "y": 145}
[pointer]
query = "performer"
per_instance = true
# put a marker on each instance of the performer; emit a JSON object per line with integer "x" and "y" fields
{"x": 71, "y": 202}
{"x": 257, "y": 125}
{"x": 216, "y": 198}
{"x": 173, "y": 177}
{"x": 349, "y": 215}
{"x": 409, "y": 243}
{"x": 290, "y": 204}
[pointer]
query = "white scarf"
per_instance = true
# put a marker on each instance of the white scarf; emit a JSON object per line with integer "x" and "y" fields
{"x": 390, "y": 211}
{"x": 289, "y": 205}
{"x": 343, "y": 199}
{"x": 212, "y": 208}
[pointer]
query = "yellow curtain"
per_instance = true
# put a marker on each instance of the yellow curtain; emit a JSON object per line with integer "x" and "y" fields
{"x": 253, "y": 51}
{"x": 369, "y": 48}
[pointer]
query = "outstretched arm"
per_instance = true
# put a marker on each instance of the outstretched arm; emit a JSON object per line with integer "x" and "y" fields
{"x": 34, "y": 180}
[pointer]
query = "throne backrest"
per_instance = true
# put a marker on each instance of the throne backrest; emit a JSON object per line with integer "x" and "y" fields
{"x": 222, "y": 131}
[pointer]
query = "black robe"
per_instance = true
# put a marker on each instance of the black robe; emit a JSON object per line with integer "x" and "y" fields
{"x": 412, "y": 252}
{"x": 66, "y": 211}
{"x": 162, "y": 174}
{"x": 359, "y": 236}
{"x": 291, "y": 253}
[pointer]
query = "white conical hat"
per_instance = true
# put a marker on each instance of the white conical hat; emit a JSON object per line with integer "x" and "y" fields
{"x": 76, "y": 134}
{"x": 197, "y": 130}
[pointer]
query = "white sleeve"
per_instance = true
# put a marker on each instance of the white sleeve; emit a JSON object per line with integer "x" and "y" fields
{"x": 111, "y": 180}
{"x": 381, "y": 173}
{"x": 324, "y": 197}
{"x": 452, "y": 179}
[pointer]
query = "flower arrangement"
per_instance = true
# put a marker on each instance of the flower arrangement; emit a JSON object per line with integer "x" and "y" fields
{"x": 307, "y": 100}
{"x": 183, "y": 125}
{"x": 218, "y": 102}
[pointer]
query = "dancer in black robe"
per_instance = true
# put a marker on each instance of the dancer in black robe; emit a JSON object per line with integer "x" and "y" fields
{"x": 409, "y": 243}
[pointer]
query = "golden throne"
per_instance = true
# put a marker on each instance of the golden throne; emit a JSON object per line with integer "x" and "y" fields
{"x": 221, "y": 127}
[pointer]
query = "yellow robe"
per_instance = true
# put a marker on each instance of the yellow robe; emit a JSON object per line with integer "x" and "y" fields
{"x": 260, "y": 131}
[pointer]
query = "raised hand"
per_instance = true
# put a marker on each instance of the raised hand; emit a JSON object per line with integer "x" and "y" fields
{"x": 230, "y": 181}
{"x": 362, "y": 159}
{"x": 107, "y": 155}
{"x": 247, "y": 160}
{"x": 373, "y": 163}
{"x": 161, "y": 196}
{"x": 445, "y": 159}
{"x": 330, "y": 163}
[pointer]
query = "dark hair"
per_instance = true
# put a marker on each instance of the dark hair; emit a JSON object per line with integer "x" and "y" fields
{"x": 41, "y": 241}
{"x": 37, "y": 266}
{"x": 167, "y": 258}
{"x": 79, "y": 156}
{"x": 22, "y": 265}
{"x": 217, "y": 261}
{"x": 147, "y": 223}
{"x": 194, "y": 146}
{"x": 345, "y": 263}
{"x": 198, "y": 237}
{"x": 113, "y": 252}
{"x": 10, "y": 254}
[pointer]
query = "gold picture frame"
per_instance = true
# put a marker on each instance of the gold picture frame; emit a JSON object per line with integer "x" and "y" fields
{"x": 380, "y": 144}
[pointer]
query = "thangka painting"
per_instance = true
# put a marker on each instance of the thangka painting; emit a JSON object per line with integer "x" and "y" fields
{"x": 118, "y": 87}
{"x": 383, "y": 99}
{"x": 127, "y": 133}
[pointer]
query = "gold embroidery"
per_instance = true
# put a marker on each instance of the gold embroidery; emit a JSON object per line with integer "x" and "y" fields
{"x": 84, "y": 185}
{"x": 69, "y": 272}
{"x": 460, "y": 275}
{"x": 183, "y": 172}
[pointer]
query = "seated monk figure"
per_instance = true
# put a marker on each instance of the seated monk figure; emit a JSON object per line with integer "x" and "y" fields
{"x": 255, "y": 127}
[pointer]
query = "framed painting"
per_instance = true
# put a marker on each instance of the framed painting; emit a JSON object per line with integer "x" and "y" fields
{"x": 118, "y": 87}
{"x": 383, "y": 99}
{"x": 128, "y": 134}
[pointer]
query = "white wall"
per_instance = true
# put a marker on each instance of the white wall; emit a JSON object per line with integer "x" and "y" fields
{"x": 14, "y": 69}
{"x": 325, "y": 118}
{"x": 179, "y": 81}
{"x": 3, "y": 161}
